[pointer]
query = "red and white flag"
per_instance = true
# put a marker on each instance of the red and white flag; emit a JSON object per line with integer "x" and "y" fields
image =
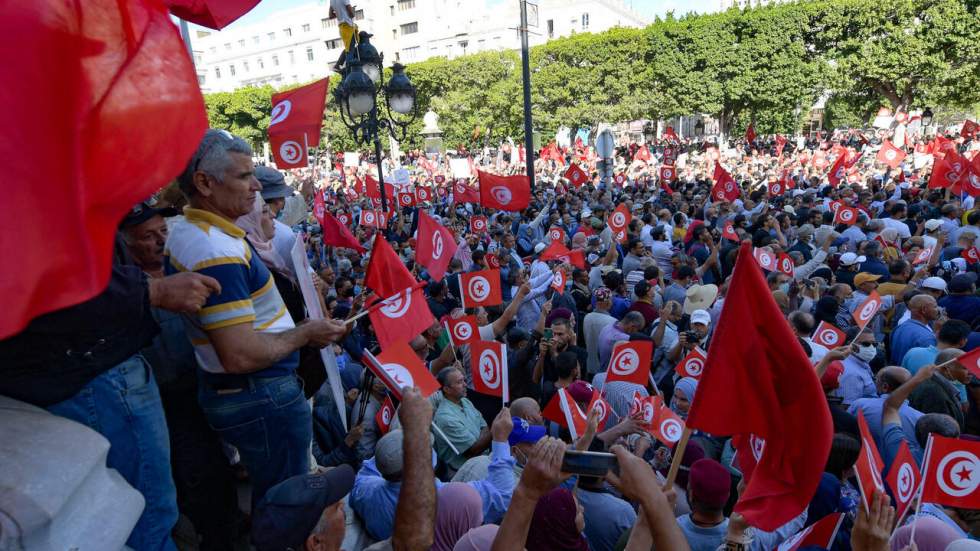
{"x": 386, "y": 274}
{"x": 492, "y": 260}
{"x": 423, "y": 194}
{"x": 725, "y": 188}
{"x": 636, "y": 405}
{"x": 643, "y": 154}
{"x": 971, "y": 361}
{"x": 402, "y": 316}
{"x": 478, "y": 224}
{"x": 480, "y": 288}
{"x": 668, "y": 173}
{"x": 574, "y": 417}
{"x": 952, "y": 472}
{"x": 435, "y": 246}
{"x": 295, "y": 121}
{"x": 556, "y": 234}
{"x": 385, "y": 416}
{"x": 867, "y": 310}
{"x": 335, "y": 233}
{"x": 667, "y": 426}
{"x": 488, "y": 366}
{"x": 838, "y": 172}
{"x": 618, "y": 220}
{"x": 765, "y": 258}
{"x": 748, "y": 452}
{"x": 619, "y": 179}
{"x": 776, "y": 188}
{"x": 923, "y": 257}
{"x": 728, "y": 231}
{"x": 398, "y": 367}
{"x": 463, "y": 330}
{"x": 969, "y": 129}
{"x": 602, "y": 408}
{"x": 558, "y": 281}
{"x": 464, "y": 193}
{"x": 944, "y": 173}
{"x": 971, "y": 255}
{"x": 630, "y": 361}
{"x": 828, "y": 336}
{"x": 576, "y": 175}
{"x": 406, "y": 199}
{"x": 785, "y": 264}
{"x": 819, "y": 534}
{"x": 903, "y": 479}
{"x": 510, "y": 193}
{"x": 869, "y": 464}
{"x": 374, "y": 219}
{"x": 890, "y": 155}
{"x": 846, "y": 215}
{"x": 693, "y": 364}
{"x": 344, "y": 218}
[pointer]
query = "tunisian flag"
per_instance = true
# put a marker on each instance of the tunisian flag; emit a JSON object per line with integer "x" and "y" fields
{"x": 890, "y": 155}
{"x": 120, "y": 121}
{"x": 398, "y": 366}
{"x": 336, "y": 233}
{"x": 213, "y": 14}
{"x": 725, "y": 188}
{"x": 869, "y": 464}
{"x": 435, "y": 246}
{"x": 838, "y": 172}
{"x": 295, "y": 121}
{"x": 757, "y": 380}
{"x": 630, "y": 361}
{"x": 952, "y": 472}
{"x": 401, "y": 317}
{"x": 488, "y": 365}
{"x": 480, "y": 288}
{"x": 510, "y": 193}
{"x": 386, "y": 274}
{"x": 903, "y": 478}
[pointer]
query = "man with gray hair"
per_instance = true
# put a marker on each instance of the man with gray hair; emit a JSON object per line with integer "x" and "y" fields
{"x": 244, "y": 339}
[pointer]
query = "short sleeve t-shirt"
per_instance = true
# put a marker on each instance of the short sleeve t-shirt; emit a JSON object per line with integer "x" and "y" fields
{"x": 210, "y": 245}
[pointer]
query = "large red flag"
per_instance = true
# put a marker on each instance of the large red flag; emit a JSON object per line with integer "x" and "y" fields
{"x": 480, "y": 288}
{"x": 758, "y": 380}
{"x": 295, "y": 121}
{"x": 838, "y": 172}
{"x": 944, "y": 173}
{"x": 952, "y": 472}
{"x": 903, "y": 479}
{"x": 820, "y": 534}
{"x": 103, "y": 110}
{"x": 576, "y": 175}
{"x": 488, "y": 365}
{"x": 890, "y": 155}
{"x": 213, "y": 14}
{"x": 336, "y": 233}
{"x": 386, "y": 274}
{"x": 399, "y": 366}
{"x": 435, "y": 246}
{"x": 630, "y": 361}
{"x": 553, "y": 251}
{"x": 510, "y": 193}
{"x": 725, "y": 188}
{"x": 402, "y": 316}
{"x": 869, "y": 464}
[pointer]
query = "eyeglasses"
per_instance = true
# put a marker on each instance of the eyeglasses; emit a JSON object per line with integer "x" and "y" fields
{"x": 210, "y": 145}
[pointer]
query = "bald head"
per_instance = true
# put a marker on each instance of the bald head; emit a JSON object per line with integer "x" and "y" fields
{"x": 527, "y": 409}
{"x": 890, "y": 378}
{"x": 923, "y": 308}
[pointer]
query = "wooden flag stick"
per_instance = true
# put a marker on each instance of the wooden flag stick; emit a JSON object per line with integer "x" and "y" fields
{"x": 675, "y": 463}
{"x": 352, "y": 319}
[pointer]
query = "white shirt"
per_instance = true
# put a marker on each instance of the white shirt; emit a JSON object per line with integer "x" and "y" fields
{"x": 901, "y": 227}
{"x": 340, "y": 8}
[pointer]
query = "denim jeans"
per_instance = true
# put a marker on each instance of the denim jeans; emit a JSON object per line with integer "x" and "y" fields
{"x": 266, "y": 418}
{"x": 123, "y": 404}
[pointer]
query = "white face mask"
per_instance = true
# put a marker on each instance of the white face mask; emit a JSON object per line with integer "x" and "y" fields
{"x": 866, "y": 353}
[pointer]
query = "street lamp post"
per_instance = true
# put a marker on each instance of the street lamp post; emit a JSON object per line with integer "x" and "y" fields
{"x": 926, "y": 120}
{"x": 357, "y": 101}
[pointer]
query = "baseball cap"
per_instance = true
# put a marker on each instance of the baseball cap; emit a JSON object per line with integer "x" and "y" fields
{"x": 289, "y": 511}
{"x": 141, "y": 212}
{"x": 273, "y": 183}
{"x": 933, "y": 225}
{"x": 701, "y": 316}
{"x": 865, "y": 277}
{"x": 850, "y": 259}
{"x": 710, "y": 483}
{"x": 934, "y": 283}
{"x": 525, "y": 432}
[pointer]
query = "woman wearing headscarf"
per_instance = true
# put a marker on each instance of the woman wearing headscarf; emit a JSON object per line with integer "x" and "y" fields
{"x": 459, "y": 509}
{"x": 477, "y": 539}
{"x": 557, "y": 524}
{"x": 931, "y": 534}
{"x": 684, "y": 390}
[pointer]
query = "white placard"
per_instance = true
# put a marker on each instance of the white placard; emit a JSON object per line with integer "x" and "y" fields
{"x": 402, "y": 177}
{"x": 301, "y": 267}
{"x": 352, "y": 159}
{"x": 460, "y": 168}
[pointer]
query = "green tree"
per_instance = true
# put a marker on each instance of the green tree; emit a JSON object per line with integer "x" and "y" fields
{"x": 244, "y": 112}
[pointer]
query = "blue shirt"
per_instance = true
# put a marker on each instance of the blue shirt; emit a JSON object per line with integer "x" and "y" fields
{"x": 606, "y": 518}
{"x": 891, "y": 440}
{"x": 856, "y": 382}
{"x": 873, "y": 409}
{"x": 916, "y": 358}
{"x": 700, "y": 538}
{"x": 375, "y": 499}
{"x": 909, "y": 335}
{"x": 961, "y": 307}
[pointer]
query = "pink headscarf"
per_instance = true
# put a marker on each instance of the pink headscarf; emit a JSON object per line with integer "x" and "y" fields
{"x": 931, "y": 534}
{"x": 477, "y": 539}
{"x": 251, "y": 223}
{"x": 459, "y": 509}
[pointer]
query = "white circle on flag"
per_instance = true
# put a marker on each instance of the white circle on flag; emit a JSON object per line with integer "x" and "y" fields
{"x": 827, "y": 337}
{"x": 555, "y": 234}
{"x": 668, "y": 174}
{"x": 386, "y": 416}
{"x": 694, "y": 366}
{"x": 758, "y": 445}
{"x": 729, "y": 186}
{"x": 891, "y": 154}
{"x": 558, "y": 280}
{"x": 648, "y": 413}
{"x": 501, "y": 194}
{"x": 846, "y": 215}
{"x": 343, "y": 219}
{"x": 766, "y": 260}
{"x": 787, "y": 265}
{"x": 776, "y": 188}
{"x": 396, "y": 306}
{"x": 952, "y": 177}
{"x": 958, "y": 474}
{"x": 671, "y": 429}
{"x": 906, "y": 482}
{"x": 399, "y": 375}
{"x": 406, "y": 200}
{"x": 368, "y": 218}
{"x": 290, "y": 152}
{"x": 600, "y": 408}
{"x": 625, "y": 362}
{"x": 280, "y": 111}
{"x": 479, "y": 224}
{"x": 618, "y": 219}
{"x": 875, "y": 474}
{"x": 868, "y": 311}
{"x": 436, "y": 246}
{"x": 478, "y": 288}
{"x": 489, "y": 366}
{"x": 462, "y": 332}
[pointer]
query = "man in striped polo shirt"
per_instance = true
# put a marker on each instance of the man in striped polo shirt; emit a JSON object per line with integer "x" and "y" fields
{"x": 244, "y": 340}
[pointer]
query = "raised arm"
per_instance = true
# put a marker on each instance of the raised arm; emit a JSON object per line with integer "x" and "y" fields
{"x": 500, "y": 324}
{"x": 540, "y": 476}
{"x": 638, "y": 483}
{"x": 415, "y": 515}
{"x": 889, "y": 415}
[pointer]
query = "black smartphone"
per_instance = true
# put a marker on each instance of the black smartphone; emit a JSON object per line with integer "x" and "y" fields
{"x": 588, "y": 463}
{"x": 548, "y": 333}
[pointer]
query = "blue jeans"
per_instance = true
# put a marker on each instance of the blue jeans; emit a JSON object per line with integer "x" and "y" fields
{"x": 123, "y": 404}
{"x": 266, "y": 418}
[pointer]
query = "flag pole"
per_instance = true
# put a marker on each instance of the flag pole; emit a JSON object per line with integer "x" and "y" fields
{"x": 451, "y": 345}
{"x": 675, "y": 463}
{"x": 360, "y": 315}
{"x": 922, "y": 485}
{"x": 444, "y": 437}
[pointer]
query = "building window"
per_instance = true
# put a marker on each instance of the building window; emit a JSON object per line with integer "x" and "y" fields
{"x": 410, "y": 28}
{"x": 405, "y": 5}
{"x": 324, "y": 23}
{"x": 585, "y": 21}
{"x": 241, "y": 43}
{"x": 292, "y": 58}
{"x": 255, "y": 39}
{"x": 200, "y": 79}
{"x": 245, "y": 66}
{"x": 231, "y": 69}
{"x": 551, "y": 28}
{"x": 217, "y": 72}
{"x": 309, "y": 54}
{"x": 227, "y": 45}
{"x": 392, "y": 8}
{"x": 333, "y": 44}
{"x": 275, "y": 61}
{"x": 272, "y": 36}
{"x": 358, "y": 15}
{"x": 260, "y": 63}
{"x": 394, "y": 34}
{"x": 288, "y": 32}
{"x": 411, "y": 53}
{"x": 306, "y": 27}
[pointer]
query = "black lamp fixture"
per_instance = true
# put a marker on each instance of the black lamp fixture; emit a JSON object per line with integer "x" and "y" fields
{"x": 649, "y": 132}
{"x": 699, "y": 128}
{"x": 927, "y": 117}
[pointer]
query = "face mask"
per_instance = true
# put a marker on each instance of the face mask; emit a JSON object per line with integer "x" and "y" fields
{"x": 784, "y": 287}
{"x": 866, "y": 353}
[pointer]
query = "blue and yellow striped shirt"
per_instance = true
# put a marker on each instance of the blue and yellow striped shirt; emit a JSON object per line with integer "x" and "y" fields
{"x": 207, "y": 244}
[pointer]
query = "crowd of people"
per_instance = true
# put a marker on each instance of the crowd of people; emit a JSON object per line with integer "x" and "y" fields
{"x": 202, "y": 365}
